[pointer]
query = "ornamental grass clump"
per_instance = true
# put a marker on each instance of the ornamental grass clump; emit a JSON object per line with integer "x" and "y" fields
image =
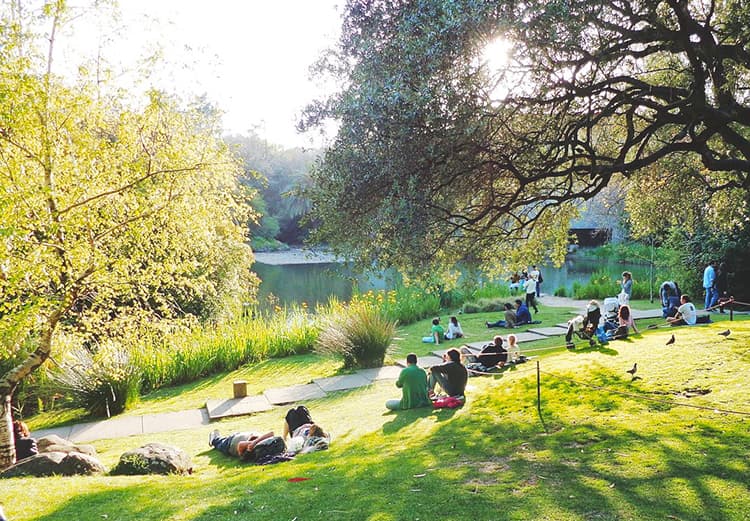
{"x": 359, "y": 333}
{"x": 104, "y": 383}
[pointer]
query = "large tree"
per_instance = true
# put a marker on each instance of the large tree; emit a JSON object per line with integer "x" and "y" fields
{"x": 111, "y": 209}
{"x": 441, "y": 154}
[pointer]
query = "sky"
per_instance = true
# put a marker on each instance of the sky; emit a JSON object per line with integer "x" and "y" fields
{"x": 250, "y": 57}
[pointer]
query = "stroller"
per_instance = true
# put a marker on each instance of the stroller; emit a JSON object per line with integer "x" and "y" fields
{"x": 611, "y": 307}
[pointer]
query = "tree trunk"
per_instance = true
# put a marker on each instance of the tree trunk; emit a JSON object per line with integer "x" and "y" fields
{"x": 7, "y": 444}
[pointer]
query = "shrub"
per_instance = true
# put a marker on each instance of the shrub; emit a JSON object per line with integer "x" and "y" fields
{"x": 105, "y": 383}
{"x": 484, "y": 305}
{"x": 359, "y": 333}
{"x": 561, "y": 292}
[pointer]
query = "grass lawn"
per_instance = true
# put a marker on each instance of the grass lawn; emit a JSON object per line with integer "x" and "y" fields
{"x": 593, "y": 454}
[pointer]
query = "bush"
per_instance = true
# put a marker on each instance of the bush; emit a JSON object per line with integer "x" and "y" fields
{"x": 105, "y": 383}
{"x": 484, "y": 305}
{"x": 561, "y": 292}
{"x": 359, "y": 333}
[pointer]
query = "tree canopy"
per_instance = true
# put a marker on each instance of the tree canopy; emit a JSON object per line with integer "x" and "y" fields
{"x": 444, "y": 155}
{"x": 113, "y": 211}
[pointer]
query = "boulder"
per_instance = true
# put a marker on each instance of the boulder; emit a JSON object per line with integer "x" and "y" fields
{"x": 154, "y": 458}
{"x": 54, "y": 443}
{"x": 55, "y": 463}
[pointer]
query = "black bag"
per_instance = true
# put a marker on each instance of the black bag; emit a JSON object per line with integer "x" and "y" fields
{"x": 268, "y": 447}
{"x": 298, "y": 416}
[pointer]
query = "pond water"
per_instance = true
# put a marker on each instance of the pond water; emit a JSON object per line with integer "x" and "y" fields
{"x": 315, "y": 283}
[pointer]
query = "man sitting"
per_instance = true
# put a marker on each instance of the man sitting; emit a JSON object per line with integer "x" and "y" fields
{"x": 491, "y": 355}
{"x": 686, "y": 313}
{"x": 451, "y": 375}
{"x": 413, "y": 383}
{"x": 510, "y": 318}
{"x": 523, "y": 315}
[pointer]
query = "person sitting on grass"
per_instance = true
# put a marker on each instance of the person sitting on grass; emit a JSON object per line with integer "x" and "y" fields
{"x": 491, "y": 355}
{"x": 510, "y": 318}
{"x": 523, "y": 315}
{"x": 238, "y": 444}
{"x": 454, "y": 329}
{"x": 588, "y": 324}
{"x": 450, "y": 375}
{"x": 625, "y": 323}
{"x": 514, "y": 352}
{"x": 413, "y": 383}
{"x": 686, "y": 313}
{"x": 437, "y": 332}
{"x": 24, "y": 443}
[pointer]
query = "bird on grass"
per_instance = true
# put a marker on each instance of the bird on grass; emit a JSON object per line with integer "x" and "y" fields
{"x": 726, "y": 333}
{"x": 633, "y": 370}
{"x": 670, "y": 341}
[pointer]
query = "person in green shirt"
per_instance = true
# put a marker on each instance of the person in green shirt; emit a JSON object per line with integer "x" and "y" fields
{"x": 413, "y": 382}
{"x": 436, "y": 331}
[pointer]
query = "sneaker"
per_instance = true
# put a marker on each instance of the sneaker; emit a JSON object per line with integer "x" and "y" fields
{"x": 212, "y": 436}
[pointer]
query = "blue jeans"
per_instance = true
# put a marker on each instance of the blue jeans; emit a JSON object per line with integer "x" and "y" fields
{"x": 712, "y": 297}
{"x": 437, "y": 378}
{"x": 222, "y": 444}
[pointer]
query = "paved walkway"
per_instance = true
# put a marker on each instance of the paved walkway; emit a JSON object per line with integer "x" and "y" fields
{"x": 222, "y": 408}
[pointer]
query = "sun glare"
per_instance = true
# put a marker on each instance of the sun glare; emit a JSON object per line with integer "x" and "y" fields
{"x": 496, "y": 54}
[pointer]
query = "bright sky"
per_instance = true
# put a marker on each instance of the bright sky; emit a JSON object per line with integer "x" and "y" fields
{"x": 251, "y": 57}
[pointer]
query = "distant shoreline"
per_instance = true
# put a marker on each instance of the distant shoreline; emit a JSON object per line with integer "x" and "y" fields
{"x": 295, "y": 256}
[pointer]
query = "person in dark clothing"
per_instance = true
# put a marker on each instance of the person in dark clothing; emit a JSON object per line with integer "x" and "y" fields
{"x": 491, "y": 354}
{"x": 722, "y": 284}
{"x": 25, "y": 444}
{"x": 451, "y": 375}
{"x": 523, "y": 315}
{"x": 588, "y": 323}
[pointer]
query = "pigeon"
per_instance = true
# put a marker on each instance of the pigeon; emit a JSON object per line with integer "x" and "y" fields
{"x": 633, "y": 370}
{"x": 652, "y": 326}
{"x": 670, "y": 341}
{"x": 726, "y": 333}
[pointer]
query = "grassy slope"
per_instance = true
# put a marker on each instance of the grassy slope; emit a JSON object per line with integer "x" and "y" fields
{"x": 603, "y": 456}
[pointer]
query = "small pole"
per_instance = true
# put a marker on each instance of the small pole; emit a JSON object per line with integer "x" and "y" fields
{"x": 538, "y": 390}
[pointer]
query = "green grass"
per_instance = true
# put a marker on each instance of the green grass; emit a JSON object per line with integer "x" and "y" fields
{"x": 592, "y": 455}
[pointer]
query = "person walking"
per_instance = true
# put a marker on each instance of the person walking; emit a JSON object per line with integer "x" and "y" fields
{"x": 709, "y": 285}
{"x": 531, "y": 294}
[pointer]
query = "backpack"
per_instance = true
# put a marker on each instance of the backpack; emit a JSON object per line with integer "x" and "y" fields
{"x": 268, "y": 447}
{"x": 297, "y": 416}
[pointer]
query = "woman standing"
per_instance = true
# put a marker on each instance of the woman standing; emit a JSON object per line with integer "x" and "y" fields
{"x": 627, "y": 288}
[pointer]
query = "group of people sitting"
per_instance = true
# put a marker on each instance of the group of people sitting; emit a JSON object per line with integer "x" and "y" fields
{"x": 615, "y": 325}
{"x": 301, "y": 435}
{"x": 438, "y": 334}
{"x": 514, "y": 316}
{"x": 418, "y": 386}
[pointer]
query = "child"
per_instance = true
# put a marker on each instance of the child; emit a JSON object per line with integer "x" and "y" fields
{"x": 514, "y": 352}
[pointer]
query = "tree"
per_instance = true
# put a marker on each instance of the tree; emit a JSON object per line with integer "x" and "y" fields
{"x": 108, "y": 214}
{"x": 440, "y": 157}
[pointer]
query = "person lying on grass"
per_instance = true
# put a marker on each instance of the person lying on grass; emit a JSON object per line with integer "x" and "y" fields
{"x": 451, "y": 375}
{"x": 491, "y": 355}
{"x": 510, "y": 318}
{"x": 413, "y": 382}
{"x": 237, "y": 444}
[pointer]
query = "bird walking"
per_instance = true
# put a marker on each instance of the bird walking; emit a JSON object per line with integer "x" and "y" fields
{"x": 633, "y": 370}
{"x": 726, "y": 333}
{"x": 670, "y": 341}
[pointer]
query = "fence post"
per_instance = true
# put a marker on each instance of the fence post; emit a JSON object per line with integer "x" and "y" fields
{"x": 538, "y": 390}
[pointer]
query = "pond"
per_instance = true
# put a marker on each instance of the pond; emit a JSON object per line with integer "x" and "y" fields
{"x": 314, "y": 283}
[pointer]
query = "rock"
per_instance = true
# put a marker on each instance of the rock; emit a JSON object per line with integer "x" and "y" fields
{"x": 59, "y": 463}
{"x": 54, "y": 443}
{"x": 154, "y": 458}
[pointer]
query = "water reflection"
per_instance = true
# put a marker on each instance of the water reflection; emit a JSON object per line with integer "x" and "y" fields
{"x": 315, "y": 283}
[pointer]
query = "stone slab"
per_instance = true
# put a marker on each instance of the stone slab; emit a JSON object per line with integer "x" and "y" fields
{"x": 173, "y": 421}
{"x": 226, "y": 407}
{"x": 112, "y": 428}
{"x": 387, "y": 372}
{"x": 563, "y": 325}
{"x": 549, "y": 331}
{"x": 647, "y": 313}
{"x": 295, "y": 393}
{"x": 342, "y": 383}
{"x": 424, "y": 361}
{"x": 63, "y": 432}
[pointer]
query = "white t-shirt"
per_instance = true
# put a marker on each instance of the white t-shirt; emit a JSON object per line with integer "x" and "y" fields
{"x": 454, "y": 331}
{"x": 688, "y": 314}
{"x": 531, "y": 286}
